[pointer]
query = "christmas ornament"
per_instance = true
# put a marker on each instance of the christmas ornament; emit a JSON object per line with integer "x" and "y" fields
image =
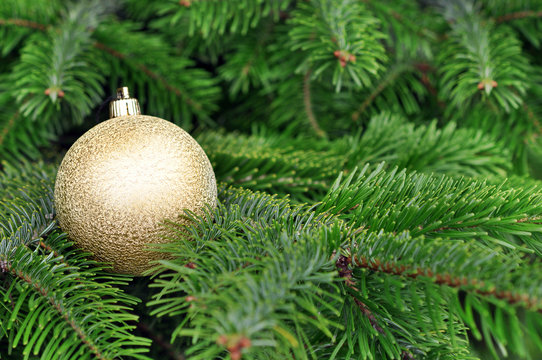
{"x": 123, "y": 178}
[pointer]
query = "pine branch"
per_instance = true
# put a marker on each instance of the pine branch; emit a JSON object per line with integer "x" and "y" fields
{"x": 447, "y": 150}
{"x": 52, "y": 283}
{"x": 396, "y": 201}
{"x": 481, "y": 61}
{"x": 504, "y": 281}
{"x": 271, "y": 163}
{"x": 7, "y": 127}
{"x": 161, "y": 80}
{"x": 248, "y": 66}
{"x": 122, "y": 56}
{"x": 234, "y": 250}
{"x": 383, "y": 263}
{"x": 333, "y": 37}
{"x": 103, "y": 47}
{"x": 58, "y": 305}
{"x": 209, "y": 18}
{"x": 57, "y": 290}
{"x": 242, "y": 273}
{"x": 150, "y": 73}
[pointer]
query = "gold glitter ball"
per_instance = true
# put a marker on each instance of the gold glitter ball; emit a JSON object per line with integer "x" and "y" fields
{"x": 122, "y": 179}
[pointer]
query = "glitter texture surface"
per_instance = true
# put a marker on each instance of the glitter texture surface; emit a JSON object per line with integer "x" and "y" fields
{"x": 121, "y": 180}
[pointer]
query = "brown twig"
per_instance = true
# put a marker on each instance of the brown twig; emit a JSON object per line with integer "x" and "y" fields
{"x": 150, "y": 73}
{"x": 518, "y": 15}
{"x": 447, "y": 279}
{"x": 391, "y": 76}
{"x": 345, "y": 272}
{"x": 24, "y": 23}
{"x": 8, "y": 126}
{"x": 308, "y": 105}
{"x": 158, "y": 339}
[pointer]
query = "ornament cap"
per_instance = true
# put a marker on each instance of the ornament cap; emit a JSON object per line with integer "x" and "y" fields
{"x": 123, "y": 104}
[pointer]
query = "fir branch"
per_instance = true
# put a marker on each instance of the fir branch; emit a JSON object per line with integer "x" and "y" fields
{"x": 481, "y": 62}
{"x": 67, "y": 290}
{"x": 111, "y": 51}
{"x": 397, "y": 201}
{"x": 71, "y": 295}
{"x": 391, "y": 138}
{"x": 249, "y": 66}
{"x": 391, "y": 263}
{"x": 237, "y": 265}
{"x": 308, "y": 105}
{"x": 59, "y": 306}
{"x": 333, "y": 37}
{"x": 444, "y": 266}
{"x": 249, "y": 237}
{"x": 269, "y": 163}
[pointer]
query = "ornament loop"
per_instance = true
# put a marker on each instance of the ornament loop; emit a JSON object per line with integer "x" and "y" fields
{"x": 124, "y": 104}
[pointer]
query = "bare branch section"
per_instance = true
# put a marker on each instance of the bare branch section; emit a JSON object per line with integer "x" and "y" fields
{"x": 518, "y": 15}
{"x": 474, "y": 285}
{"x": 308, "y": 105}
{"x": 8, "y": 127}
{"x": 342, "y": 265}
{"x": 386, "y": 81}
{"x": 150, "y": 73}
{"x": 159, "y": 340}
{"x": 23, "y": 23}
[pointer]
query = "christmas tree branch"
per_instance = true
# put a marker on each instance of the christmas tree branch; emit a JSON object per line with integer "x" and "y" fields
{"x": 153, "y": 75}
{"x": 57, "y": 304}
{"x": 408, "y": 24}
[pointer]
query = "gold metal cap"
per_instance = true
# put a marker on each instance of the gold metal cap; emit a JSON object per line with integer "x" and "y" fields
{"x": 124, "y": 104}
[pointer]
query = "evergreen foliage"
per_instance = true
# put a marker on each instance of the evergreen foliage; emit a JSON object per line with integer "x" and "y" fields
{"x": 378, "y": 165}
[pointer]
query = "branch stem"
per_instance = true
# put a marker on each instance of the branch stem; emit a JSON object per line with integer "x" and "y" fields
{"x": 308, "y": 105}
{"x": 342, "y": 265}
{"x": 518, "y": 15}
{"x": 473, "y": 285}
{"x": 168, "y": 348}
